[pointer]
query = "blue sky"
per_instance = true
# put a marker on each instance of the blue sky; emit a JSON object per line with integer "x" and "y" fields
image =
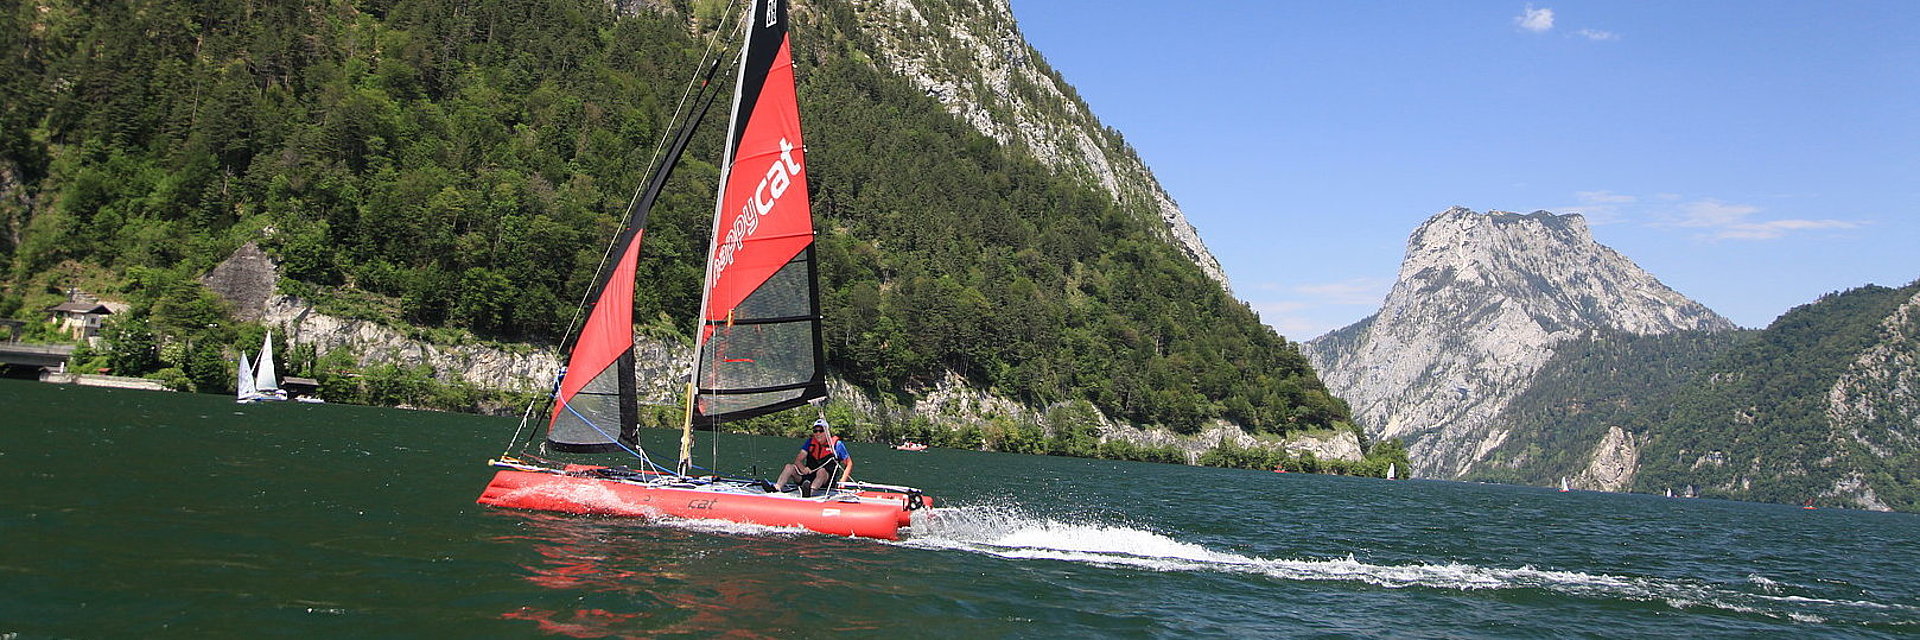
{"x": 1751, "y": 155}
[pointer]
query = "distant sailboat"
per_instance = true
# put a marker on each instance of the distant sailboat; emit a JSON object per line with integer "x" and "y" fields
{"x": 1669, "y": 492}
{"x": 1390, "y": 472}
{"x": 244, "y": 390}
{"x": 266, "y": 378}
{"x": 1563, "y": 485}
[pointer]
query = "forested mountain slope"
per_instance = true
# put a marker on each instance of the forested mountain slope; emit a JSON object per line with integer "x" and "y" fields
{"x": 1584, "y": 396}
{"x": 444, "y": 165}
{"x": 1823, "y": 405}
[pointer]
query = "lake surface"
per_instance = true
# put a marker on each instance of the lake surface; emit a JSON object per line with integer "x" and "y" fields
{"x": 142, "y": 514}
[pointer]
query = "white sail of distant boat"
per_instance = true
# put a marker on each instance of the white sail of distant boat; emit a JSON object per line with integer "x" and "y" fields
{"x": 1390, "y": 472}
{"x": 1669, "y": 492}
{"x": 244, "y": 389}
{"x": 1563, "y": 485}
{"x": 266, "y": 379}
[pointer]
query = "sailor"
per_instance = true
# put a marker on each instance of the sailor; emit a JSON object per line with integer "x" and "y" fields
{"x": 817, "y": 460}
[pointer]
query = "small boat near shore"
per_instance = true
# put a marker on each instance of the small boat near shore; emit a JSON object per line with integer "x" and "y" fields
{"x": 259, "y": 381}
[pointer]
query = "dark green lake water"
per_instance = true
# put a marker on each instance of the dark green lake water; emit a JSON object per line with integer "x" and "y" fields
{"x": 139, "y": 514}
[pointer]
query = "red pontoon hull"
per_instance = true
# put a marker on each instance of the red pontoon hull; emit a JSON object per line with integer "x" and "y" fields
{"x": 868, "y": 514}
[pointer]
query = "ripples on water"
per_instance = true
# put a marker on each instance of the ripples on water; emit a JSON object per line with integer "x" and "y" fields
{"x": 179, "y": 515}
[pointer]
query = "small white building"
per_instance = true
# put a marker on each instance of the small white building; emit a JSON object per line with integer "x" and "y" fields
{"x": 79, "y": 319}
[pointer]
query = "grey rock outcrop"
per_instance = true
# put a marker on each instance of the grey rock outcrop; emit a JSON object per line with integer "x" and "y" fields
{"x": 1481, "y": 301}
{"x": 660, "y": 367}
{"x": 1875, "y": 403}
{"x": 1614, "y": 462}
{"x": 1882, "y": 387}
{"x": 246, "y": 280}
{"x": 971, "y": 56}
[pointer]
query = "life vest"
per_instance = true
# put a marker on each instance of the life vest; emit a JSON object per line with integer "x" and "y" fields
{"x": 819, "y": 453}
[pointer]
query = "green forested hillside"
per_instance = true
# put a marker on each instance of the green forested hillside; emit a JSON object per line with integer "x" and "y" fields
{"x": 434, "y": 163}
{"x": 1756, "y": 425}
{"x": 1589, "y": 386}
{"x": 1741, "y": 415}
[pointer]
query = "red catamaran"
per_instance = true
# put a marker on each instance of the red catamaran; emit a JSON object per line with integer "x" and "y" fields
{"x": 758, "y": 347}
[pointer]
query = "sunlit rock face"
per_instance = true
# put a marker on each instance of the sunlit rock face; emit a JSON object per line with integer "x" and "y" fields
{"x": 1481, "y": 301}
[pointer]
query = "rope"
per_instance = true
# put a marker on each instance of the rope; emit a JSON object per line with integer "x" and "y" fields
{"x": 695, "y": 86}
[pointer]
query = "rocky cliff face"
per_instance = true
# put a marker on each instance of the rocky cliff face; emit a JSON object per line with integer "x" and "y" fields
{"x": 16, "y": 206}
{"x": 1875, "y": 404}
{"x": 951, "y": 401}
{"x": 970, "y": 55}
{"x": 1614, "y": 461}
{"x": 247, "y": 280}
{"x": 1481, "y": 301}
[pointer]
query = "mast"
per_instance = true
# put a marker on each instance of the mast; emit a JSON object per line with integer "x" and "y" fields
{"x": 719, "y": 200}
{"x": 758, "y": 346}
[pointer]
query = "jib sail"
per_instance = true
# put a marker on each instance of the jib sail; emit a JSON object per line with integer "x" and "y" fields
{"x": 596, "y": 400}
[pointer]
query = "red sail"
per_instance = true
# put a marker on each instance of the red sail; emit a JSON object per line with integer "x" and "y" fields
{"x": 586, "y": 414}
{"x": 760, "y": 343}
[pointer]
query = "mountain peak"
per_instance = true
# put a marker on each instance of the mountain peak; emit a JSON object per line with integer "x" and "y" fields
{"x": 1481, "y": 301}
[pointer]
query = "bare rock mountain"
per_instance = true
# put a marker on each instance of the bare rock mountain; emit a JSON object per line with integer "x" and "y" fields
{"x": 970, "y": 55}
{"x": 1480, "y": 304}
{"x": 1875, "y": 405}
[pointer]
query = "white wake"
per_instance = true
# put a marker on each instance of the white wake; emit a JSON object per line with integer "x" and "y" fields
{"x": 1008, "y": 533}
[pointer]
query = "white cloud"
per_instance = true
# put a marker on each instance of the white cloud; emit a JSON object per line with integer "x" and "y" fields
{"x": 1713, "y": 213}
{"x": 1352, "y": 291}
{"x": 1775, "y": 228}
{"x": 1305, "y": 311}
{"x": 1723, "y": 221}
{"x": 1712, "y": 219}
{"x": 1535, "y": 20}
{"x": 1604, "y": 197}
{"x": 1294, "y": 321}
{"x": 1600, "y": 207}
{"x": 1541, "y": 21}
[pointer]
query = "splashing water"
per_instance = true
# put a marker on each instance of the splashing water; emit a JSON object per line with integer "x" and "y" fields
{"x": 1007, "y": 531}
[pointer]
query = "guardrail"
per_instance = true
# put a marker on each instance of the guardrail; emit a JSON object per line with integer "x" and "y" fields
{"x": 39, "y": 355}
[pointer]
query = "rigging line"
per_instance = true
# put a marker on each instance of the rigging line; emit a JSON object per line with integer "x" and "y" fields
{"x": 527, "y": 416}
{"x": 641, "y": 454}
{"x": 699, "y": 94}
{"x": 695, "y": 86}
